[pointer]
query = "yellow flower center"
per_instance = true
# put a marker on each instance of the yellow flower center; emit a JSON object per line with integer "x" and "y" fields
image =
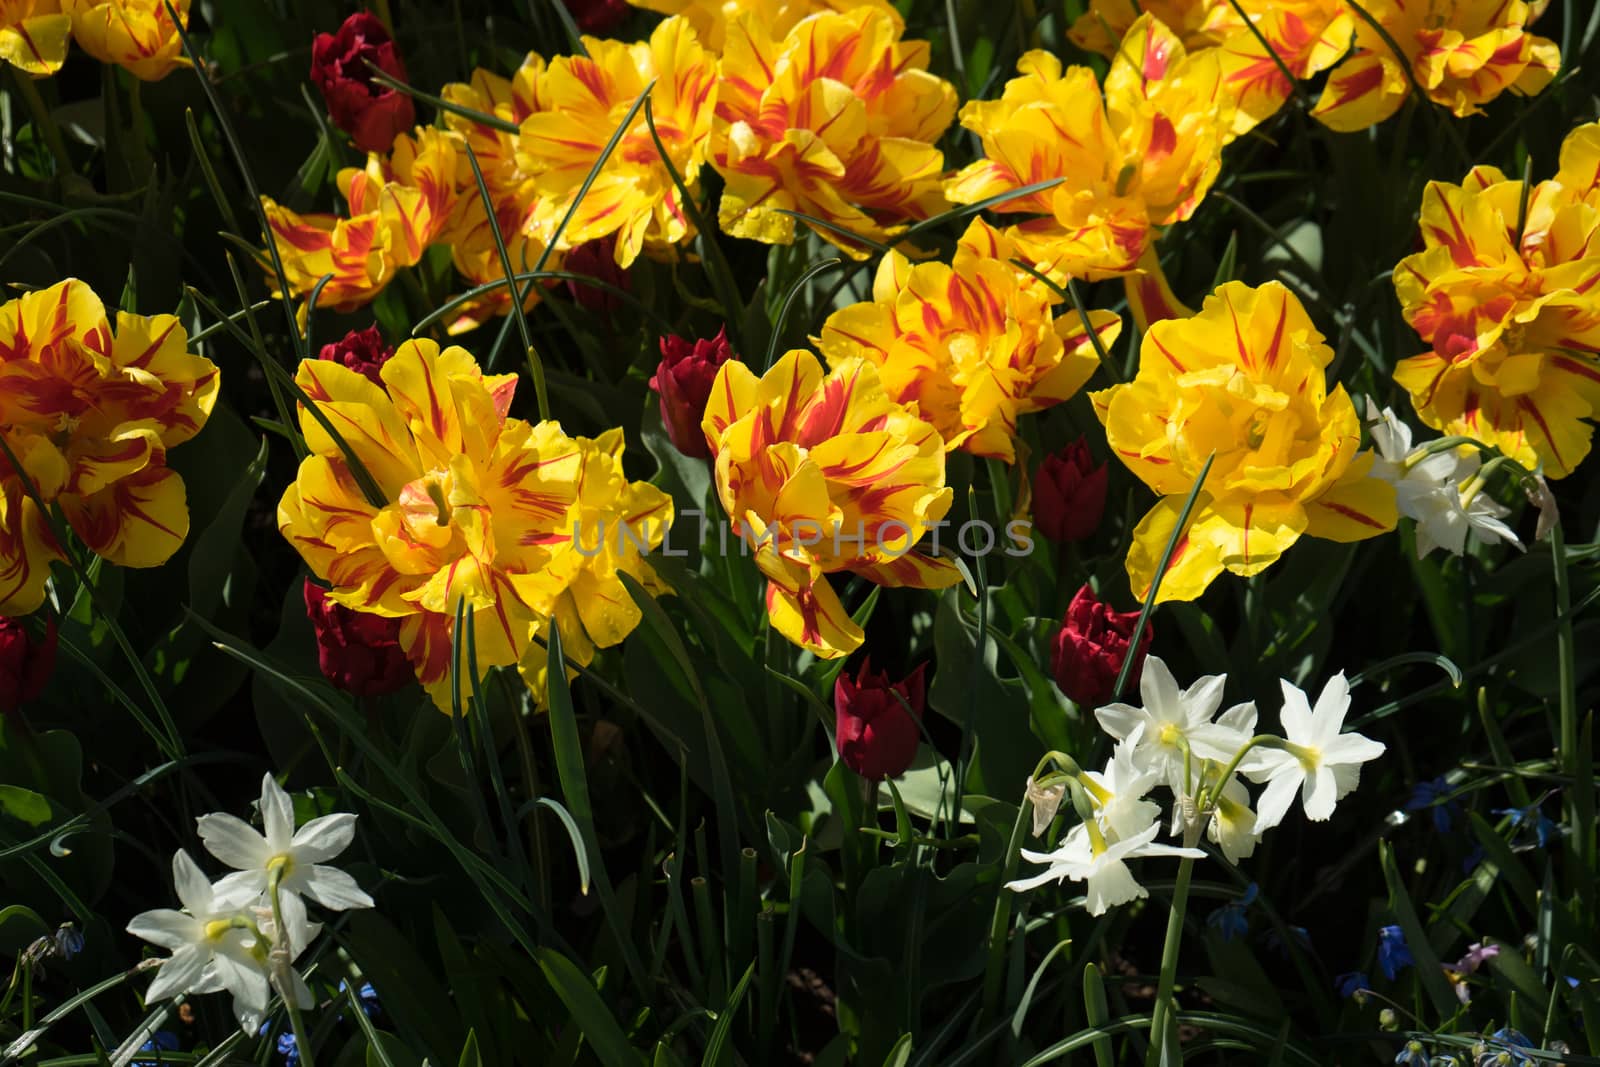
{"x": 280, "y": 866}
{"x": 436, "y": 494}
{"x": 217, "y": 928}
{"x": 1168, "y": 734}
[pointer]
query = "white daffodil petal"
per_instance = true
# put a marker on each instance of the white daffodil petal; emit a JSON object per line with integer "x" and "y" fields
{"x": 1119, "y": 720}
{"x": 233, "y": 841}
{"x": 1319, "y": 794}
{"x": 324, "y": 838}
{"x": 333, "y": 888}
{"x": 1352, "y": 748}
{"x": 277, "y": 815}
{"x": 1332, "y": 703}
{"x": 1276, "y": 799}
{"x": 179, "y": 974}
{"x": 239, "y": 889}
{"x": 244, "y": 977}
{"x": 191, "y": 883}
{"x": 1110, "y": 885}
{"x": 1022, "y": 885}
{"x": 164, "y": 927}
{"x": 1202, "y": 699}
{"x": 1296, "y": 712}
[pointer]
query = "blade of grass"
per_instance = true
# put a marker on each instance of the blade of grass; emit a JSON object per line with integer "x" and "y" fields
{"x": 1161, "y": 572}
{"x": 454, "y": 302}
{"x": 783, "y": 310}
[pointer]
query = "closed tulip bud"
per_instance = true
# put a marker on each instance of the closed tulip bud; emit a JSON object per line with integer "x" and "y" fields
{"x": 598, "y": 17}
{"x": 362, "y": 351}
{"x": 1069, "y": 493}
{"x": 877, "y": 736}
{"x": 359, "y": 652}
{"x": 26, "y": 663}
{"x": 684, "y": 379}
{"x": 369, "y": 111}
{"x": 1088, "y": 651}
{"x": 596, "y": 259}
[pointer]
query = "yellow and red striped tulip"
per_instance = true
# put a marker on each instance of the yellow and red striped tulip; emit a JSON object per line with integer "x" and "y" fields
{"x": 584, "y": 99}
{"x": 90, "y": 413}
{"x": 835, "y": 119}
{"x": 713, "y": 20}
{"x": 972, "y": 344}
{"x": 1139, "y": 157}
{"x": 1243, "y": 381}
{"x": 398, "y": 207}
{"x": 480, "y": 507}
{"x": 511, "y": 190}
{"x": 823, "y": 474}
{"x": 1306, "y": 36}
{"x": 33, "y": 35}
{"x": 137, "y": 35}
{"x": 1463, "y": 53}
{"x": 1512, "y": 320}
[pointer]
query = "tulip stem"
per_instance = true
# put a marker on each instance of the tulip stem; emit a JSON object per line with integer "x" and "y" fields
{"x": 1160, "y": 1017}
{"x": 44, "y": 123}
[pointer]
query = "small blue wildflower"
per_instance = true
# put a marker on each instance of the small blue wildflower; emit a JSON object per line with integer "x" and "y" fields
{"x": 1393, "y": 955}
{"x": 1413, "y": 1054}
{"x": 69, "y": 941}
{"x": 1433, "y": 795}
{"x": 289, "y": 1049}
{"x": 1230, "y": 920}
{"x": 1508, "y": 1043}
{"x": 1301, "y": 937}
{"x": 1351, "y": 982}
{"x": 160, "y": 1041}
{"x": 1532, "y": 815}
{"x": 368, "y": 997}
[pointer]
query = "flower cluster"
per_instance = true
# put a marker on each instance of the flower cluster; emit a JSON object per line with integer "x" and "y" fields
{"x": 138, "y": 35}
{"x": 1460, "y": 54}
{"x": 243, "y": 933}
{"x": 1179, "y": 741}
{"x": 87, "y": 414}
{"x": 846, "y": 139}
{"x": 1503, "y": 294}
{"x": 478, "y": 508}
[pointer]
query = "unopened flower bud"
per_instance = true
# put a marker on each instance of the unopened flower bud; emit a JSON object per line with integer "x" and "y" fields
{"x": 1388, "y": 1020}
{"x": 1046, "y": 801}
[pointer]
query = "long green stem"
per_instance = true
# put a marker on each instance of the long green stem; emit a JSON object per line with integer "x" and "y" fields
{"x": 44, "y": 123}
{"x": 1160, "y": 1017}
{"x": 280, "y": 976}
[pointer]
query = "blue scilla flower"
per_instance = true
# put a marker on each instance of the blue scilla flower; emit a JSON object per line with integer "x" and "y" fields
{"x": 1432, "y": 795}
{"x": 1413, "y": 1053}
{"x": 368, "y": 997}
{"x": 69, "y": 941}
{"x": 1393, "y": 955}
{"x": 1506, "y": 1047}
{"x": 1351, "y": 982}
{"x": 1230, "y": 920}
{"x": 160, "y": 1041}
{"x": 1531, "y": 816}
{"x": 289, "y": 1049}
{"x": 1301, "y": 938}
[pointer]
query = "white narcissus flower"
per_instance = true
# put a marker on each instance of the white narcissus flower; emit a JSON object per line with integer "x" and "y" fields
{"x": 1321, "y": 763}
{"x": 1430, "y": 491}
{"x": 1105, "y": 871}
{"x": 210, "y": 952}
{"x": 1171, "y": 716}
{"x": 1233, "y": 825}
{"x": 1119, "y": 790}
{"x": 297, "y": 857}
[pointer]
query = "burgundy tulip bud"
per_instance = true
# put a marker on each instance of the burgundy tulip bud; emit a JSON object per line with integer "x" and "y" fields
{"x": 598, "y": 260}
{"x": 1069, "y": 494}
{"x": 369, "y": 111}
{"x": 362, "y": 351}
{"x": 688, "y": 370}
{"x": 1088, "y": 650}
{"x": 26, "y": 663}
{"x": 598, "y": 17}
{"x": 359, "y": 652}
{"x": 877, "y": 736}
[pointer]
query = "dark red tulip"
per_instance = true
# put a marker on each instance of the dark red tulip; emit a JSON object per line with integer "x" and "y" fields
{"x": 598, "y": 17}
{"x": 596, "y": 259}
{"x": 359, "y": 652}
{"x": 1069, "y": 494}
{"x": 369, "y": 111}
{"x": 877, "y": 736}
{"x": 362, "y": 351}
{"x": 688, "y": 370}
{"x": 26, "y": 663}
{"x": 1088, "y": 651}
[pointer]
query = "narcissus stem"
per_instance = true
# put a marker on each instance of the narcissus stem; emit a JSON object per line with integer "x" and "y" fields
{"x": 1160, "y": 1018}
